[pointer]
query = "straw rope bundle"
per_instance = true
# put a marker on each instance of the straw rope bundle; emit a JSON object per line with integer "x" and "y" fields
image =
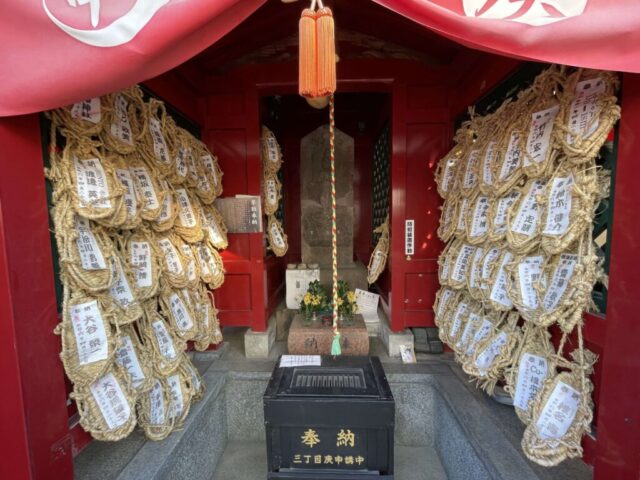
{"x": 459, "y": 265}
{"x": 454, "y": 318}
{"x": 124, "y": 294}
{"x": 562, "y": 411}
{"x": 132, "y": 355}
{"x": 123, "y": 112}
{"x": 448, "y": 219}
{"x": 88, "y": 340}
{"x": 85, "y": 251}
{"x": 486, "y": 326}
{"x": 174, "y": 266}
{"x": 461, "y": 218}
{"x": 477, "y": 222}
{"x": 178, "y": 308}
{"x": 487, "y": 266}
{"x": 534, "y": 363}
{"x": 470, "y": 167}
{"x": 446, "y": 174}
{"x": 211, "y": 166}
{"x": 169, "y": 211}
{"x": 588, "y": 112}
{"x": 143, "y": 261}
{"x": 153, "y": 145}
{"x": 445, "y": 297}
{"x": 189, "y": 262}
{"x": 179, "y": 174}
{"x": 106, "y": 406}
{"x": 146, "y": 181}
{"x": 276, "y": 236}
{"x": 194, "y": 379}
{"x": 215, "y": 228}
{"x": 473, "y": 280}
{"x": 84, "y": 118}
{"x": 133, "y": 201}
{"x": 189, "y": 220}
{"x": 465, "y": 337}
{"x": 523, "y": 218}
{"x": 523, "y": 280}
{"x": 271, "y": 192}
{"x": 180, "y": 395}
{"x": 498, "y": 211}
{"x": 492, "y": 154}
{"x": 444, "y": 261}
{"x": 210, "y": 263}
{"x": 206, "y": 320}
{"x": 270, "y": 150}
{"x": 378, "y": 259}
{"x": 496, "y": 294}
{"x": 153, "y": 412}
{"x": 164, "y": 345}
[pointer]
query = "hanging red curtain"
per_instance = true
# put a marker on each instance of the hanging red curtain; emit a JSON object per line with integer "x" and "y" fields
{"x": 602, "y": 34}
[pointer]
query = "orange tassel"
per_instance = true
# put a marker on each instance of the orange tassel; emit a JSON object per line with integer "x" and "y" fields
{"x": 326, "y": 52}
{"x": 308, "y": 86}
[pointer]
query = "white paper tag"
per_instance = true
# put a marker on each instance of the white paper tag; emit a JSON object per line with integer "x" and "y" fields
{"x": 560, "y": 280}
{"x": 167, "y": 204}
{"x": 207, "y": 161}
{"x": 486, "y": 358}
{"x": 539, "y": 137}
{"x": 471, "y": 172}
{"x": 160, "y": 148}
{"x": 487, "y": 163}
{"x": 121, "y": 290}
{"x": 512, "y": 157}
{"x": 474, "y": 269}
{"x": 146, "y": 186}
{"x": 89, "y": 110}
{"x": 89, "y": 332}
{"x": 287, "y": 361}
{"x": 121, "y": 127}
{"x": 526, "y": 220}
{"x": 273, "y": 151}
{"x": 182, "y": 167}
{"x": 214, "y": 229}
{"x": 191, "y": 265}
{"x": 445, "y": 298}
{"x": 205, "y": 260}
{"x": 130, "y": 200}
{"x": 559, "y": 208}
{"x": 378, "y": 258}
{"x": 504, "y": 204}
{"x": 89, "y": 251}
{"x": 460, "y": 312}
{"x": 91, "y": 185}
{"x": 462, "y": 216}
{"x": 195, "y": 381}
{"x": 443, "y": 272}
{"x": 165, "y": 343}
{"x": 180, "y": 313}
{"x": 480, "y": 334}
{"x": 141, "y": 263}
{"x": 499, "y": 291}
{"x": 532, "y": 371}
{"x": 109, "y": 397}
{"x": 193, "y": 168}
{"x": 583, "y": 120}
{"x": 479, "y": 223}
{"x": 185, "y": 211}
{"x": 272, "y": 192}
{"x": 156, "y": 404}
{"x": 172, "y": 260}
{"x": 559, "y": 411}
{"x": 127, "y": 357}
{"x": 177, "y": 400}
{"x": 469, "y": 330}
{"x": 461, "y": 267}
{"x": 448, "y": 174}
{"x": 276, "y": 236}
{"x": 529, "y": 271}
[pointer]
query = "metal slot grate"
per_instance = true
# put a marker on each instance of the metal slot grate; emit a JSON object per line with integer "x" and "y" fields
{"x": 336, "y": 379}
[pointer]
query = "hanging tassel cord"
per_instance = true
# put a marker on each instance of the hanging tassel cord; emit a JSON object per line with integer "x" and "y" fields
{"x": 335, "y": 347}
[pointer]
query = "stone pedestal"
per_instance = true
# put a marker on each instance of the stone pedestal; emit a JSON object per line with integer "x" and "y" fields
{"x": 316, "y": 338}
{"x": 258, "y": 344}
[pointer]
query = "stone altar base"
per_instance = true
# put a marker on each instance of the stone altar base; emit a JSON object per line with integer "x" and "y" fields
{"x": 316, "y": 338}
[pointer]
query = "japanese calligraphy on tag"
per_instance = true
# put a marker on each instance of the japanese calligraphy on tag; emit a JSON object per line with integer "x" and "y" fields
{"x": 504, "y": 204}
{"x": 185, "y": 212}
{"x": 91, "y": 183}
{"x": 499, "y": 290}
{"x": 474, "y": 270}
{"x": 445, "y": 298}
{"x": 481, "y": 333}
{"x": 172, "y": 260}
{"x": 448, "y": 174}
{"x": 144, "y": 182}
{"x": 141, "y": 263}
{"x": 559, "y": 208}
{"x": 460, "y": 312}
{"x": 539, "y": 138}
{"x": 160, "y": 148}
{"x": 486, "y": 358}
{"x": 181, "y": 162}
{"x": 127, "y": 357}
{"x": 469, "y": 330}
{"x": 471, "y": 172}
{"x": 89, "y": 110}
{"x": 207, "y": 161}
{"x": 156, "y": 404}
{"x": 409, "y": 237}
{"x": 109, "y": 397}
{"x": 130, "y": 200}
{"x": 489, "y": 258}
{"x": 121, "y": 290}
{"x": 559, "y": 411}
{"x": 213, "y": 229}
{"x": 180, "y": 313}
{"x": 583, "y": 119}
{"x": 276, "y": 236}
{"x": 526, "y": 220}
{"x": 531, "y": 373}
{"x": 191, "y": 265}
{"x": 89, "y": 251}
{"x": 512, "y": 157}
{"x": 529, "y": 271}
{"x": 479, "y": 223}
{"x": 121, "y": 127}
{"x": 272, "y": 150}
{"x": 167, "y": 204}
{"x": 89, "y": 332}
{"x": 487, "y": 163}
{"x": 560, "y": 280}
{"x": 272, "y": 192}
{"x": 165, "y": 343}
{"x": 462, "y": 216}
{"x": 177, "y": 400}
{"x": 461, "y": 267}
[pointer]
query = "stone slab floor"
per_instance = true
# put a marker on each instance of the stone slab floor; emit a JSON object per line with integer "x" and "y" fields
{"x": 248, "y": 461}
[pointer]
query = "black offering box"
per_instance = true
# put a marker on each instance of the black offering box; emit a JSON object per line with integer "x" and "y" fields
{"x": 332, "y": 421}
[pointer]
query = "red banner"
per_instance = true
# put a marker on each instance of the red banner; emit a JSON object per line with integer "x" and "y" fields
{"x": 56, "y": 52}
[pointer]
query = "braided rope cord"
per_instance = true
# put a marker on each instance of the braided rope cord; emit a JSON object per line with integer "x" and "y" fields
{"x": 335, "y": 348}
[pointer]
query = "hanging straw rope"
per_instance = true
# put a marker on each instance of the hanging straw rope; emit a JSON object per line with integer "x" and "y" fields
{"x": 378, "y": 260}
{"x": 335, "y": 345}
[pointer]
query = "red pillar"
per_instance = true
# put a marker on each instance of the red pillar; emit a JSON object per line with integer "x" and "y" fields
{"x": 33, "y": 418}
{"x": 618, "y": 436}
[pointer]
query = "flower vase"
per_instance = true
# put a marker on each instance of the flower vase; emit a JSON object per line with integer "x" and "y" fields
{"x": 346, "y": 319}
